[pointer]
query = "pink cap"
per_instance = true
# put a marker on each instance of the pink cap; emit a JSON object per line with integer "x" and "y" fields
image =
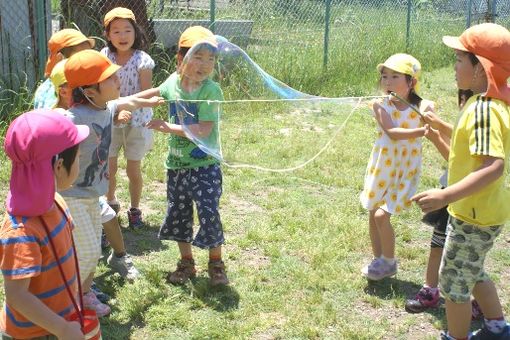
{"x": 31, "y": 141}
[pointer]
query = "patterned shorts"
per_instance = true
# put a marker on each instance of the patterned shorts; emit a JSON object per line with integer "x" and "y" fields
{"x": 202, "y": 186}
{"x": 463, "y": 258}
{"x": 87, "y": 232}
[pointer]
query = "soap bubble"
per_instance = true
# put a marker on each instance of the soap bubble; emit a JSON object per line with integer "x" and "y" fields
{"x": 262, "y": 122}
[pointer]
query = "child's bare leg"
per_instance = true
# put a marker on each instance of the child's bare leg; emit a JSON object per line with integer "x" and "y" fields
{"x": 458, "y": 316}
{"x": 87, "y": 283}
{"x": 386, "y": 233}
{"x": 114, "y": 236}
{"x": 375, "y": 240}
{"x": 434, "y": 262}
{"x": 486, "y": 295}
{"x": 215, "y": 254}
{"x": 133, "y": 171}
{"x": 112, "y": 173}
{"x": 185, "y": 250}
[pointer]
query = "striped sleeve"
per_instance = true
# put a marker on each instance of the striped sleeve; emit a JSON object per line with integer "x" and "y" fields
{"x": 485, "y": 135}
{"x": 20, "y": 253}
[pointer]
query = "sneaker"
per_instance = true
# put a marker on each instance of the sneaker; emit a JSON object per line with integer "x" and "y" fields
{"x": 424, "y": 299}
{"x": 485, "y": 334}
{"x": 124, "y": 266}
{"x": 444, "y": 336}
{"x": 185, "y": 271}
{"x": 115, "y": 205}
{"x": 476, "y": 311}
{"x": 135, "y": 218}
{"x": 101, "y": 296}
{"x": 217, "y": 275}
{"x": 378, "y": 269}
{"x": 104, "y": 241}
{"x": 90, "y": 300}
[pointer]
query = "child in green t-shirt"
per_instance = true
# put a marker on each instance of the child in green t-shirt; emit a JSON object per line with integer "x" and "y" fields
{"x": 193, "y": 175}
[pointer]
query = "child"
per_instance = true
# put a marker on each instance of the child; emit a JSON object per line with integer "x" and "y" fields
{"x": 476, "y": 196}
{"x": 42, "y": 146}
{"x": 92, "y": 78}
{"x": 125, "y": 48}
{"x": 62, "y": 44}
{"x": 193, "y": 176}
{"x": 118, "y": 260}
{"x": 395, "y": 163}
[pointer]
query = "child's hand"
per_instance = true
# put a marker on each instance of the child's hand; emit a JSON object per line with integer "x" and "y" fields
{"x": 432, "y": 119}
{"x": 431, "y": 134}
{"x": 430, "y": 200}
{"x": 159, "y": 125}
{"x": 155, "y": 101}
{"x": 123, "y": 117}
{"x": 71, "y": 331}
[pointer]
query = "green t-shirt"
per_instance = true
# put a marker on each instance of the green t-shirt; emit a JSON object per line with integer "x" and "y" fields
{"x": 183, "y": 153}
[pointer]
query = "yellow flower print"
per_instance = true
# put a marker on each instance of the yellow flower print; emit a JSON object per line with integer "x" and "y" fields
{"x": 398, "y": 209}
{"x": 371, "y": 170}
{"x": 404, "y": 152}
{"x": 395, "y": 151}
{"x": 393, "y": 174}
{"x": 371, "y": 195}
{"x": 396, "y": 114}
{"x": 408, "y": 204}
{"x": 377, "y": 172}
{"x": 381, "y": 184}
{"x": 412, "y": 140}
{"x": 400, "y": 173}
{"x": 404, "y": 125}
{"x": 388, "y": 162}
{"x": 414, "y": 152}
{"x": 381, "y": 203}
{"x": 384, "y": 150}
{"x": 401, "y": 186}
{"x": 393, "y": 197}
{"x": 408, "y": 164}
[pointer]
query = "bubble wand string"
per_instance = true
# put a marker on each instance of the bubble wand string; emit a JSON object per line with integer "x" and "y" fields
{"x": 414, "y": 108}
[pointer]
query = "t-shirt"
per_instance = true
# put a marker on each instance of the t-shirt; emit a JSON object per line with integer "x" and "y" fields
{"x": 93, "y": 177}
{"x": 45, "y": 96}
{"x": 183, "y": 153}
{"x": 25, "y": 252}
{"x": 130, "y": 82}
{"x": 482, "y": 129}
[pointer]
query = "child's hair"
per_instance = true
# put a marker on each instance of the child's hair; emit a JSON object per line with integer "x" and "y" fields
{"x": 140, "y": 42}
{"x": 413, "y": 97}
{"x": 68, "y": 157}
{"x": 69, "y": 50}
{"x": 78, "y": 95}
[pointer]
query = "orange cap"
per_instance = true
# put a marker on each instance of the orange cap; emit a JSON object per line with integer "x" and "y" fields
{"x": 197, "y": 34}
{"x": 88, "y": 67}
{"x": 118, "y": 13}
{"x": 490, "y": 43}
{"x": 64, "y": 38}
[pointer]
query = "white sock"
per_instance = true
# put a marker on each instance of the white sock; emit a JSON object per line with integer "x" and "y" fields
{"x": 390, "y": 261}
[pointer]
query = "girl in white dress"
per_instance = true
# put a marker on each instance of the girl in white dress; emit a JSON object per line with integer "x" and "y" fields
{"x": 394, "y": 167}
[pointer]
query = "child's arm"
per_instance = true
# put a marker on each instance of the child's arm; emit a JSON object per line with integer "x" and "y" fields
{"x": 151, "y": 92}
{"x": 437, "y": 123}
{"x": 146, "y": 81}
{"x": 491, "y": 169}
{"x": 384, "y": 120}
{"x": 18, "y": 296}
{"x": 440, "y": 141}
{"x": 202, "y": 129}
{"x": 131, "y": 103}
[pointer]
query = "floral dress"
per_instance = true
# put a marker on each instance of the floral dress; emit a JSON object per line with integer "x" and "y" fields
{"x": 393, "y": 170}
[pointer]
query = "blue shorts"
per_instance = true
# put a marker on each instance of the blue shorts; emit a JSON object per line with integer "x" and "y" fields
{"x": 204, "y": 187}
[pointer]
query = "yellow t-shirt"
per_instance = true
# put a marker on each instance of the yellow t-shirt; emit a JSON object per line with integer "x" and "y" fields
{"x": 482, "y": 129}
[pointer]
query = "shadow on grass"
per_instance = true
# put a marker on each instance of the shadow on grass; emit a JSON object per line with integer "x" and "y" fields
{"x": 139, "y": 242}
{"x": 219, "y": 298}
{"x": 112, "y": 329}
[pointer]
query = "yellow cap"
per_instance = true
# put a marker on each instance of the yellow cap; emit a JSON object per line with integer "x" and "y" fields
{"x": 57, "y": 76}
{"x": 197, "y": 34}
{"x": 403, "y": 63}
{"x": 118, "y": 13}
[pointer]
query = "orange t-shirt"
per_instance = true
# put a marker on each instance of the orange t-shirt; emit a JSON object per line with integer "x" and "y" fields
{"x": 25, "y": 252}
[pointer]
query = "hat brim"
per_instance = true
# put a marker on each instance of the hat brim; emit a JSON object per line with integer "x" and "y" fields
{"x": 454, "y": 42}
{"x": 109, "y": 72}
{"x": 83, "y": 132}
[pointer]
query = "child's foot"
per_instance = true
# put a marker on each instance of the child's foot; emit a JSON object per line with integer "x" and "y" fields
{"x": 424, "y": 299}
{"x": 124, "y": 266}
{"x": 135, "y": 218}
{"x": 486, "y": 334}
{"x": 217, "y": 275}
{"x": 101, "y": 296}
{"x": 115, "y": 205}
{"x": 378, "y": 269}
{"x": 90, "y": 300}
{"x": 185, "y": 271}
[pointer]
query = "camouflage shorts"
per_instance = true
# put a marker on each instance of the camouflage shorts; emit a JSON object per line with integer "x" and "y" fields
{"x": 462, "y": 265}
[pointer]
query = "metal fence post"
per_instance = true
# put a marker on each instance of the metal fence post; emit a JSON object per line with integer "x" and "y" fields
{"x": 468, "y": 21}
{"x": 326, "y": 33}
{"x": 494, "y": 10}
{"x": 212, "y": 13}
{"x": 408, "y": 25}
{"x": 40, "y": 17}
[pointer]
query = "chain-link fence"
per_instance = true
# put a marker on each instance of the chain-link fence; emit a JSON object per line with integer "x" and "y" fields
{"x": 295, "y": 40}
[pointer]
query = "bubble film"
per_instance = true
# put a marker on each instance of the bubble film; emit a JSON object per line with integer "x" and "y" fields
{"x": 262, "y": 123}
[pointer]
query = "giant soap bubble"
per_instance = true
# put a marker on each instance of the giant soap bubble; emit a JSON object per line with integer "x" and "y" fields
{"x": 263, "y": 123}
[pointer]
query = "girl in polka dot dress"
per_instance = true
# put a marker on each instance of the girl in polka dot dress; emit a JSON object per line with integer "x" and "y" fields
{"x": 393, "y": 170}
